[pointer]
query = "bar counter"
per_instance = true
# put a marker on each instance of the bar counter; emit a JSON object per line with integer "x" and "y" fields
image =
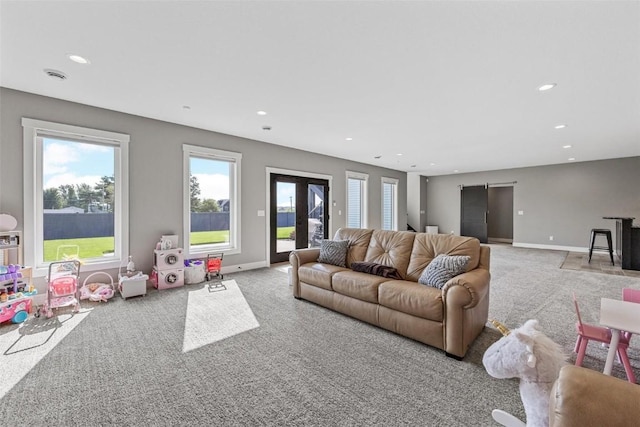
{"x": 627, "y": 242}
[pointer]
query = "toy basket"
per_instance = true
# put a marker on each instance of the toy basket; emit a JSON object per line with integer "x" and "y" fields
{"x": 95, "y": 290}
{"x": 194, "y": 272}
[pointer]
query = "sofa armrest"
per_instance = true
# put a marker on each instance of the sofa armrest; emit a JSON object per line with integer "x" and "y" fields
{"x": 466, "y": 310}
{"x": 583, "y": 397}
{"x": 297, "y": 258}
{"x": 466, "y": 289}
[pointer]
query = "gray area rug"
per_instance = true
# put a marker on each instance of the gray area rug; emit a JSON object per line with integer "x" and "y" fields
{"x": 126, "y": 363}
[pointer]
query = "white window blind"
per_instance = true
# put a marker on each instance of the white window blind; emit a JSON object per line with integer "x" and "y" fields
{"x": 356, "y": 200}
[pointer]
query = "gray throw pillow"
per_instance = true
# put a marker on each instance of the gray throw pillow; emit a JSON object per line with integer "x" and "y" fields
{"x": 334, "y": 252}
{"x": 442, "y": 268}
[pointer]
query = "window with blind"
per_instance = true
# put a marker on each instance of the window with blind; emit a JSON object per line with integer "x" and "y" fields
{"x": 389, "y": 204}
{"x": 357, "y": 200}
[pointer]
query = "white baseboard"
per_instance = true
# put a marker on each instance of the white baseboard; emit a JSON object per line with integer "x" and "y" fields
{"x": 552, "y": 247}
{"x": 242, "y": 267}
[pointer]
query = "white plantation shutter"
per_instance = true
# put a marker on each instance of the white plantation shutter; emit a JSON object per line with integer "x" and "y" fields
{"x": 389, "y": 204}
{"x": 356, "y": 200}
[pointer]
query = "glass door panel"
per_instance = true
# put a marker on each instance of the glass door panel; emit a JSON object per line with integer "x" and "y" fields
{"x": 286, "y": 216}
{"x": 298, "y": 215}
{"x": 315, "y": 203}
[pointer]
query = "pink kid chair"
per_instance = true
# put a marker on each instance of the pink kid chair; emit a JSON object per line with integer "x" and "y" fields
{"x": 631, "y": 295}
{"x": 587, "y": 332}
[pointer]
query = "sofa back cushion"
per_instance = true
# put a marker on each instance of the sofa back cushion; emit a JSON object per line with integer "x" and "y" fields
{"x": 427, "y": 246}
{"x": 392, "y": 248}
{"x": 358, "y": 242}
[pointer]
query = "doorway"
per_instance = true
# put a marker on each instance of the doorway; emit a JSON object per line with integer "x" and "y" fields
{"x": 298, "y": 214}
{"x": 500, "y": 218}
{"x": 486, "y": 212}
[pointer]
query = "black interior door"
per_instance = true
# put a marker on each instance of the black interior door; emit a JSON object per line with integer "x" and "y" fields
{"x": 474, "y": 202}
{"x": 298, "y": 215}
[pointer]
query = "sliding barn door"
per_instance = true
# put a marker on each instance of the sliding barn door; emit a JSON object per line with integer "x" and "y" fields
{"x": 474, "y": 203}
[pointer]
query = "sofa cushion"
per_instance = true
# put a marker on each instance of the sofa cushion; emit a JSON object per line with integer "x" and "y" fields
{"x": 357, "y": 285}
{"x": 427, "y": 246}
{"x": 318, "y": 274}
{"x": 412, "y": 298}
{"x": 358, "y": 242}
{"x": 334, "y": 252}
{"x": 442, "y": 269}
{"x": 391, "y": 248}
{"x": 377, "y": 269}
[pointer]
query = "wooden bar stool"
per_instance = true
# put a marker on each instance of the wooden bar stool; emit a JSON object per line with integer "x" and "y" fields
{"x": 592, "y": 247}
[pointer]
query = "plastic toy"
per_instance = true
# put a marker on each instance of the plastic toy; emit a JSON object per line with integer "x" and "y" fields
{"x": 214, "y": 271}
{"x": 10, "y": 272}
{"x": 97, "y": 291}
{"x": 62, "y": 287}
{"x": 528, "y": 354}
{"x": 17, "y": 310}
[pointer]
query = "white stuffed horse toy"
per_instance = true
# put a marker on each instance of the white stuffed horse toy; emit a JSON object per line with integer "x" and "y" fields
{"x": 528, "y": 354}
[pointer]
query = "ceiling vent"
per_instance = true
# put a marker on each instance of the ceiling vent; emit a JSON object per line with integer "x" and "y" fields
{"x": 55, "y": 74}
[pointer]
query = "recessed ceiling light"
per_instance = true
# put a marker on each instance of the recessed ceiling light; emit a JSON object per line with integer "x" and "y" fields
{"x": 546, "y": 86}
{"x": 377, "y": 157}
{"x": 261, "y": 113}
{"x": 571, "y": 159}
{"x": 566, "y": 146}
{"x": 413, "y": 166}
{"x": 399, "y": 154}
{"x": 432, "y": 164}
{"x": 77, "y": 58}
{"x": 348, "y": 139}
{"x": 266, "y": 127}
{"x": 560, "y": 126}
{"x": 456, "y": 171}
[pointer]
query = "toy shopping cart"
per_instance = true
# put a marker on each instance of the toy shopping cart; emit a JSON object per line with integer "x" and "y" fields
{"x": 62, "y": 287}
{"x": 214, "y": 272}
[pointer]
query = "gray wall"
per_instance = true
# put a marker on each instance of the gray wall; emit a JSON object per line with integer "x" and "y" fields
{"x": 155, "y": 167}
{"x": 564, "y": 201}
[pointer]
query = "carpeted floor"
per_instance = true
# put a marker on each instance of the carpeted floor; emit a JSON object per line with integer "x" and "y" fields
{"x": 142, "y": 362}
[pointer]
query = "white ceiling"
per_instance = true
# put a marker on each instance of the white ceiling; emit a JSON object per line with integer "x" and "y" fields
{"x": 450, "y": 85}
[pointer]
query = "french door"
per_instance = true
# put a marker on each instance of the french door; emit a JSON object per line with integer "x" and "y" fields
{"x": 299, "y": 217}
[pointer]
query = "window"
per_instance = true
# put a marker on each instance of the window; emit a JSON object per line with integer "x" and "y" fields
{"x": 76, "y": 195}
{"x": 357, "y": 199}
{"x": 211, "y": 200}
{"x": 389, "y": 204}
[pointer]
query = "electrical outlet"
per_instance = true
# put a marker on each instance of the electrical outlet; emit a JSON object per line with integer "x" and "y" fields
{"x": 550, "y": 237}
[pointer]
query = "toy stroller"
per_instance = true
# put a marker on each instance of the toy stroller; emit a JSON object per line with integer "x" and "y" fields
{"x": 62, "y": 287}
{"x": 214, "y": 271}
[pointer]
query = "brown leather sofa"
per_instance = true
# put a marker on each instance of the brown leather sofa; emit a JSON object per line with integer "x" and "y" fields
{"x": 449, "y": 318}
{"x": 582, "y": 397}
